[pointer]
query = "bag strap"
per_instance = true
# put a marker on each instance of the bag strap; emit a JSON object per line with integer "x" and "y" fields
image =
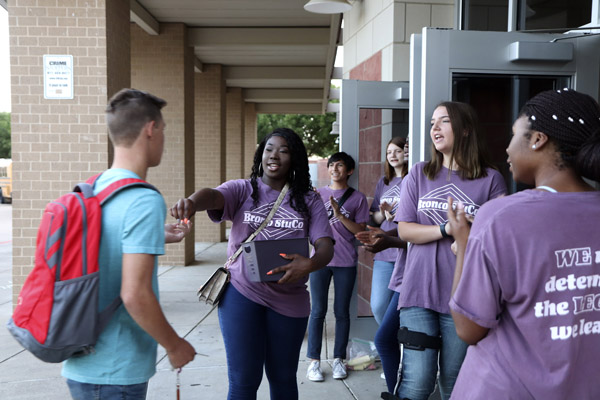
{"x": 87, "y": 188}
{"x": 264, "y": 223}
{"x": 345, "y": 196}
{"x": 341, "y": 201}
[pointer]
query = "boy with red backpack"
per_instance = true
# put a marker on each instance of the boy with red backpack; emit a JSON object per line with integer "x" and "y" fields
{"x": 133, "y": 235}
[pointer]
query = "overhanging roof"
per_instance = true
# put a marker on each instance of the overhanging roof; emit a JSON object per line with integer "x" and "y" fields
{"x": 279, "y": 54}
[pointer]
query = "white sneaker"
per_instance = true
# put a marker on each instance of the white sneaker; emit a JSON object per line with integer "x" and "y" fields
{"x": 314, "y": 372}
{"x": 382, "y": 375}
{"x": 339, "y": 369}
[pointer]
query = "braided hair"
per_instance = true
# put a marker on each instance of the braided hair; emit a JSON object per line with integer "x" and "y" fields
{"x": 298, "y": 175}
{"x": 572, "y": 122}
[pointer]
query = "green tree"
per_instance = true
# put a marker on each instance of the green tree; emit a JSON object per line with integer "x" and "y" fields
{"x": 4, "y": 135}
{"x": 313, "y": 129}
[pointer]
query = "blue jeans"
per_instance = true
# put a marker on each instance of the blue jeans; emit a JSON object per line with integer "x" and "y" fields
{"x": 90, "y": 391}
{"x": 343, "y": 284}
{"x": 380, "y": 294}
{"x": 386, "y": 342}
{"x": 419, "y": 368}
{"x": 257, "y": 337}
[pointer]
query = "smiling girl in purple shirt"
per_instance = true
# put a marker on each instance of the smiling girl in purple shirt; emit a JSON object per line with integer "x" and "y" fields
{"x": 263, "y": 323}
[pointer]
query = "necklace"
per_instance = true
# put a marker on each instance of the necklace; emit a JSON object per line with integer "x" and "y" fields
{"x": 548, "y": 188}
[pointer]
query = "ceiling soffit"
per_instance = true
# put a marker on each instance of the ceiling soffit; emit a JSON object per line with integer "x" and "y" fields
{"x": 281, "y": 55}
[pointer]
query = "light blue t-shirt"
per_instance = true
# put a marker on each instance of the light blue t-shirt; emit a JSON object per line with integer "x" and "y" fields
{"x": 133, "y": 223}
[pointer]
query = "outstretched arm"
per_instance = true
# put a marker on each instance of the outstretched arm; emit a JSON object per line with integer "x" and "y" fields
{"x": 467, "y": 330}
{"x": 203, "y": 199}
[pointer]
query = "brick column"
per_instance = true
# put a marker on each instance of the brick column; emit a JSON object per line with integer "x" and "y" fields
{"x": 210, "y": 143}
{"x": 163, "y": 65}
{"x": 58, "y": 143}
{"x": 371, "y": 169}
{"x": 235, "y": 134}
{"x": 250, "y": 136}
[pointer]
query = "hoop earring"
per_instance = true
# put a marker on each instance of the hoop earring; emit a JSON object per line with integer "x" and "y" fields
{"x": 260, "y": 169}
{"x": 293, "y": 177}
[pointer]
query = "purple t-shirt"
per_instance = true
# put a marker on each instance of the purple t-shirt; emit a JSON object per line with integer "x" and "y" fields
{"x": 429, "y": 269}
{"x": 290, "y": 299}
{"x": 532, "y": 275}
{"x": 355, "y": 208}
{"x": 390, "y": 194}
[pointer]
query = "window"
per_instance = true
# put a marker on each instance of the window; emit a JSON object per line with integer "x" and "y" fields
{"x": 556, "y": 15}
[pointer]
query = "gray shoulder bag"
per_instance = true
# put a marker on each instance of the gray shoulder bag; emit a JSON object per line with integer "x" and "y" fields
{"x": 212, "y": 290}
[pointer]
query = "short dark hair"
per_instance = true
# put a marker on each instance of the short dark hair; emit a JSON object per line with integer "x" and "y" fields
{"x": 127, "y": 113}
{"x": 343, "y": 157}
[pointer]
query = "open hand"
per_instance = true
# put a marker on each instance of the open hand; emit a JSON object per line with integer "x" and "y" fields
{"x": 373, "y": 239}
{"x": 175, "y": 232}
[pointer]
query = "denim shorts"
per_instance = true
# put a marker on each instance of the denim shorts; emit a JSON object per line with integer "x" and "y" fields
{"x": 91, "y": 391}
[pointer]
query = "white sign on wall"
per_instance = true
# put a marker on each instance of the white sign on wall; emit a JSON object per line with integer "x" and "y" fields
{"x": 58, "y": 77}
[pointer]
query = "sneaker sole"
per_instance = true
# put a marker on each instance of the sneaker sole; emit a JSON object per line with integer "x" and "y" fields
{"x": 315, "y": 380}
{"x": 340, "y": 377}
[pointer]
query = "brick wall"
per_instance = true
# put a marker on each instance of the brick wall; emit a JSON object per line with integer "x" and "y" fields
{"x": 210, "y": 144}
{"x": 56, "y": 143}
{"x": 386, "y": 26}
{"x": 160, "y": 65}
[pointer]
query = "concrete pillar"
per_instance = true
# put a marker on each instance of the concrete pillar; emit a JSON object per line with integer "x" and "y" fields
{"x": 58, "y": 143}
{"x": 210, "y": 143}
{"x": 250, "y": 136}
{"x": 163, "y": 65}
{"x": 235, "y": 135}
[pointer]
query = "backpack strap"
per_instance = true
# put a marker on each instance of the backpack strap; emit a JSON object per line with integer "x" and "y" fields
{"x": 87, "y": 188}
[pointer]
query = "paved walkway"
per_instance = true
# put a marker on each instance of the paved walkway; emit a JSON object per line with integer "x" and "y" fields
{"x": 22, "y": 376}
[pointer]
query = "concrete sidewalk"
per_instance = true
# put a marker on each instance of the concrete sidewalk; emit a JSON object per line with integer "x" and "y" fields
{"x": 22, "y": 376}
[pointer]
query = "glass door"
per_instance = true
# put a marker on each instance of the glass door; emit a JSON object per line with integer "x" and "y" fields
{"x": 495, "y": 72}
{"x": 371, "y": 114}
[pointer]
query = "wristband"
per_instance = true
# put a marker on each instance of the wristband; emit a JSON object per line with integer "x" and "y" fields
{"x": 443, "y": 230}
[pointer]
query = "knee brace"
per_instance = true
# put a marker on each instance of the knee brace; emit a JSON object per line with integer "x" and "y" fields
{"x": 417, "y": 340}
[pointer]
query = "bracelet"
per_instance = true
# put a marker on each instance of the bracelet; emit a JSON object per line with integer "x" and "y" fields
{"x": 443, "y": 230}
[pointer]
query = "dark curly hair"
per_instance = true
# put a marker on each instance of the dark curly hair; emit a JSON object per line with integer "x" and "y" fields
{"x": 298, "y": 176}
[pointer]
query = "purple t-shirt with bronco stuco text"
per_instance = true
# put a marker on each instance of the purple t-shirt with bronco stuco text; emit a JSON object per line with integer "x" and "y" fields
{"x": 532, "y": 276}
{"x": 355, "y": 208}
{"x": 289, "y": 299}
{"x": 429, "y": 270}
{"x": 390, "y": 194}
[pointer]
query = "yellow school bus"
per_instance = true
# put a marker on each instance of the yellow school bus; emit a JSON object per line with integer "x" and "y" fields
{"x": 5, "y": 180}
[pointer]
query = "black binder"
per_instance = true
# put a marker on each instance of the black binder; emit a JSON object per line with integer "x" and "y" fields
{"x": 261, "y": 256}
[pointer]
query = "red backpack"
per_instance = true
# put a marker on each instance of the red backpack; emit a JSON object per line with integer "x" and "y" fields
{"x": 57, "y": 315}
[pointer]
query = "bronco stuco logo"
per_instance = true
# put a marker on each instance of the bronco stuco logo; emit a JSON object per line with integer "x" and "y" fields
{"x": 391, "y": 196}
{"x": 435, "y": 203}
{"x": 283, "y": 223}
